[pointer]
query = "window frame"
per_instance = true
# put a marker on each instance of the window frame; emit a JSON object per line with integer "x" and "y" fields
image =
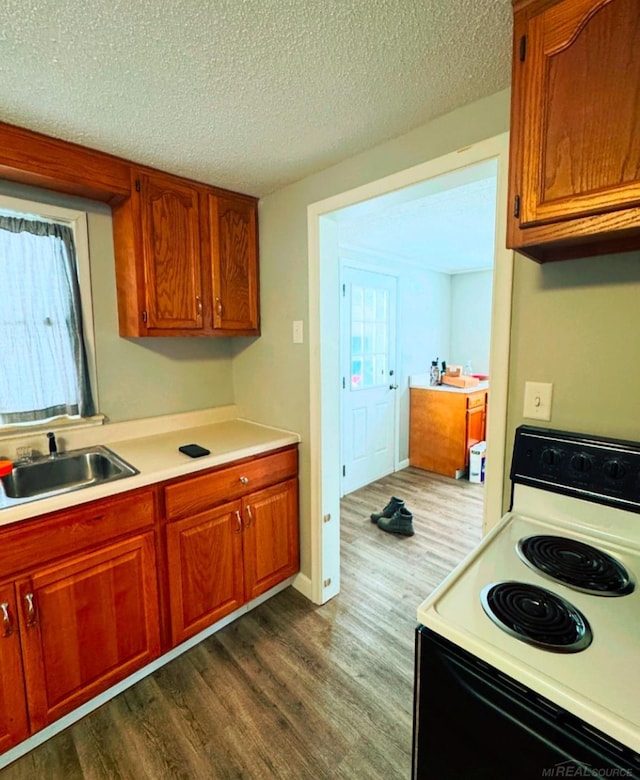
{"x": 77, "y": 220}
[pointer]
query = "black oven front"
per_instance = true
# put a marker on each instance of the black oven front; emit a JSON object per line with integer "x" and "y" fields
{"x": 472, "y": 722}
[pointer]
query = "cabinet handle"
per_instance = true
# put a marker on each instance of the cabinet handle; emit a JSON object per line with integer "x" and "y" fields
{"x": 31, "y": 610}
{"x": 239, "y": 519}
{"x": 199, "y": 305}
{"x": 219, "y": 307}
{"x": 244, "y": 480}
{"x": 250, "y": 516}
{"x": 6, "y": 619}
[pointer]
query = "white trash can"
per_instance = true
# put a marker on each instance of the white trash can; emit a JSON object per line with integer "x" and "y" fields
{"x": 477, "y": 457}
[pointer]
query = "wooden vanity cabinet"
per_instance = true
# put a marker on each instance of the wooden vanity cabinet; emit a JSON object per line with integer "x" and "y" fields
{"x": 575, "y": 123}
{"x": 444, "y": 425}
{"x": 82, "y": 607}
{"x": 222, "y": 553}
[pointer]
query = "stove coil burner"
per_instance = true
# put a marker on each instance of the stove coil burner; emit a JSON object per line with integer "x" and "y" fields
{"x": 577, "y": 565}
{"x": 536, "y": 616}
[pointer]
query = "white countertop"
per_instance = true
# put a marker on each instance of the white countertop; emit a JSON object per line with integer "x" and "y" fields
{"x": 156, "y": 457}
{"x": 421, "y": 382}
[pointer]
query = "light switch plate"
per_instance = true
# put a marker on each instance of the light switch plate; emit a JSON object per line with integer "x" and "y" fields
{"x": 298, "y": 337}
{"x": 537, "y": 400}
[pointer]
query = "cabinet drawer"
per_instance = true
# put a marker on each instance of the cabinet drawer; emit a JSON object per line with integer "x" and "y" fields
{"x": 68, "y": 531}
{"x": 195, "y": 494}
{"x": 475, "y": 399}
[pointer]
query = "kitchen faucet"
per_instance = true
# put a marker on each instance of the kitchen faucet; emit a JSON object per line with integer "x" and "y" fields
{"x": 53, "y": 447}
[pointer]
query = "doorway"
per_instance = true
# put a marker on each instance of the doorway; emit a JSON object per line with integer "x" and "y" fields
{"x": 324, "y": 275}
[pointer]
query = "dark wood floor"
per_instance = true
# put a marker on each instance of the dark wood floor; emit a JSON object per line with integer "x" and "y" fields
{"x": 290, "y": 690}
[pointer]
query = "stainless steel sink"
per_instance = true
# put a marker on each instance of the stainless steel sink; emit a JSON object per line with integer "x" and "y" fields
{"x": 72, "y": 470}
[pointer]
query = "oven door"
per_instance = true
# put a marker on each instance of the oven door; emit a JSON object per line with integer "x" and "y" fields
{"x": 471, "y": 721}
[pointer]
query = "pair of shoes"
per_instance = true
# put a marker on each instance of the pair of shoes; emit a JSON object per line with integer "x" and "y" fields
{"x": 400, "y": 522}
{"x": 393, "y": 505}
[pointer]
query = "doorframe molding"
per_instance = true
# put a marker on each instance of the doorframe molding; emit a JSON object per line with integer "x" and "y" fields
{"x": 324, "y": 366}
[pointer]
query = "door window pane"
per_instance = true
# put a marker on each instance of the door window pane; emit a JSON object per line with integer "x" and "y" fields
{"x": 369, "y": 337}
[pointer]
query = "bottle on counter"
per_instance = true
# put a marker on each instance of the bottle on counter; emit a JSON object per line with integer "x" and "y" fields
{"x": 434, "y": 373}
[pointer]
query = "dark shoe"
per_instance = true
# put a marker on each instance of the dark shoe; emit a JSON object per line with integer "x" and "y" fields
{"x": 401, "y": 522}
{"x": 393, "y": 505}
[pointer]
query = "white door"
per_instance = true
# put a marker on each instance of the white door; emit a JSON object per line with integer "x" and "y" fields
{"x": 368, "y": 333}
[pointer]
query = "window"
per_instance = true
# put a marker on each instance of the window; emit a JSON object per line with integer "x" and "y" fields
{"x": 47, "y": 365}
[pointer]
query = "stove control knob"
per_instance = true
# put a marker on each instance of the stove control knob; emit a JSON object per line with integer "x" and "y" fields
{"x": 614, "y": 469}
{"x": 581, "y": 463}
{"x": 551, "y": 457}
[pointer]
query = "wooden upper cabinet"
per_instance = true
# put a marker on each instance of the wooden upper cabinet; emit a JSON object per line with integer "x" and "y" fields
{"x": 234, "y": 264}
{"x": 186, "y": 259}
{"x": 170, "y": 240}
{"x": 575, "y": 128}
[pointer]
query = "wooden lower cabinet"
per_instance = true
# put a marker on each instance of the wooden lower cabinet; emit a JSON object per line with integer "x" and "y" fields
{"x": 91, "y": 594}
{"x": 204, "y": 556}
{"x": 270, "y": 537}
{"x": 14, "y": 724}
{"x": 444, "y": 425}
{"x": 86, "y": 624}
{"x": 220, "y": 557}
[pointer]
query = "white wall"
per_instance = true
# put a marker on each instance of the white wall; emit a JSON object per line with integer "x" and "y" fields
{"x": 471, "y": 319}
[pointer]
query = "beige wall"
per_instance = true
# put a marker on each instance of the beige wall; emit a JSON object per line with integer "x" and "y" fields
{"x": 140, "y": 377}
{"x": 271, "y": 375}
{"x": 575, "y": 324}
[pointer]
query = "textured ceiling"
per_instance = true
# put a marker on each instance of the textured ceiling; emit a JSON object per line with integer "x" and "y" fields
{"x": 445, "y": 224}
{"x": 246, "y": 94}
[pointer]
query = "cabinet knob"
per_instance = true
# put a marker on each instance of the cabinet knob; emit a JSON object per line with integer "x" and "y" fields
{"x": 199, "y": 305}
{"x": 219, "y": 307}
{"x": 244, "y": 480}
{"x": 6, "y": 619}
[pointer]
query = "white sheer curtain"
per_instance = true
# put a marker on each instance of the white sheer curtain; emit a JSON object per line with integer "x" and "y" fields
{"x": 43, "y": 367}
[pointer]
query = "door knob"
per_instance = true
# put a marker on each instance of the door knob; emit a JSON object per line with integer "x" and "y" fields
{"x": 393, "y": 387}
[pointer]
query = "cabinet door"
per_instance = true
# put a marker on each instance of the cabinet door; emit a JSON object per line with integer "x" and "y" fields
{"x": 87, "y": 623}
{"x": 270, "y": 538}
{"x": 169, "y": 214}
{"x": 475, "y": 428}
{"x": 577, "y": 101}
{"x": 234, "y": 264}
{"x": 13, "y": 704}
{"x": 205, "y": 569}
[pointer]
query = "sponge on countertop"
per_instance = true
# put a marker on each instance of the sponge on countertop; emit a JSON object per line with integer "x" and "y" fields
{"x": 6, "y": 467}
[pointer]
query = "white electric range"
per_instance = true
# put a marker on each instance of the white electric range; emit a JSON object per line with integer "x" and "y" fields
{"x": 547, "y": 612}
